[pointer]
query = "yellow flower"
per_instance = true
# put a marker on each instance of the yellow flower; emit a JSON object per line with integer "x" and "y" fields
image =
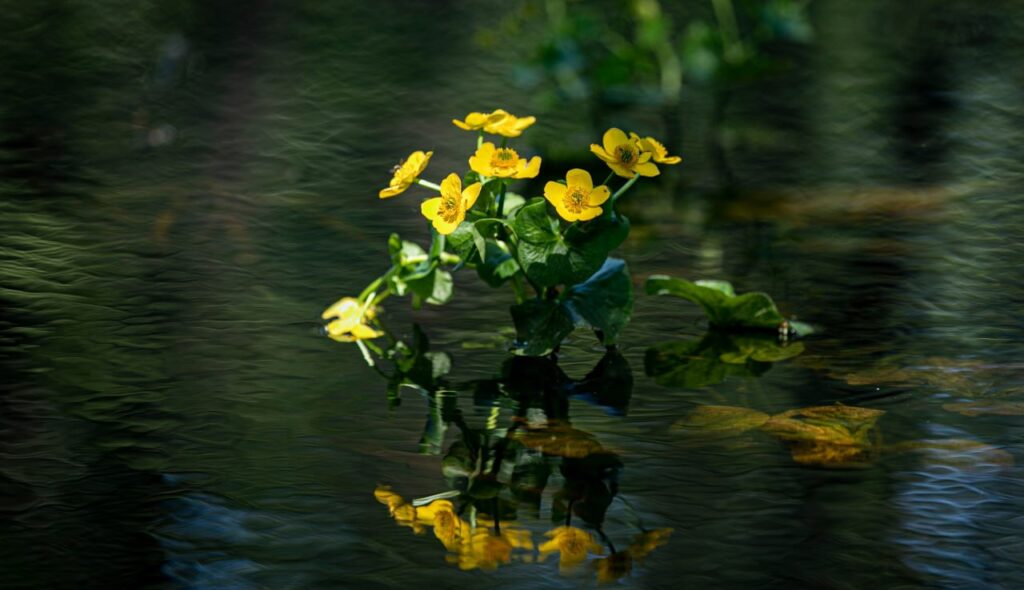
{"x": 348, "y": 320}
{"x": 502, "y": 163}
{"x": 571, "y": 543}
{"x": 406, "y": 173}
{"x": 449, "y": 210}
{"x": 624, "y": 155}
{"x": 499, "y": 122}
{"x": 577, "y": 199}
{"x": 658, "y": 151}
{"x": 476, "y": 121}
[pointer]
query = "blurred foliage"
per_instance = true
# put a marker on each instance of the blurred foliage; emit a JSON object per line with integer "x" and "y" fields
{"x": 641, "y": 52}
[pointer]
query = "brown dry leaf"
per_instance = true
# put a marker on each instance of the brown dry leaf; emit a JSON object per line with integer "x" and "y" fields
{"x": 721, "y": 420}
{"x": 829, "y": 436}
{"x": 560, "y": 440}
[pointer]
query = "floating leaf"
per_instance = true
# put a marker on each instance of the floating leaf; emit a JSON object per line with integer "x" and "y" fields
{"x": 721, "y": 305}
{"x": 721, "y": 419}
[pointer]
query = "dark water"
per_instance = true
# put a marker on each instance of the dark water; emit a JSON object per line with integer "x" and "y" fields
{"x": 185, "y": 187}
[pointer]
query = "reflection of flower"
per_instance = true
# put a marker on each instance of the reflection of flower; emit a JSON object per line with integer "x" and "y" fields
{"x": 614, "y": 566}
{"x": 658, "y": 151}
{"x": 482, "y": 550}
{"x": 624, "y": 155}
{"x": 449, "y": 210}
{"x": 619, "y": 564}
{"x": 403, "y": 512}
{"x": 406, "y": 173}
{"x": 571, "y": 543}
{"x": 448, "y": 527}
{"x": 348, "y": 320}
{"x": 499, "y": 122}
{"x": 577, "y": 199}
{"x": 502, "y": 162}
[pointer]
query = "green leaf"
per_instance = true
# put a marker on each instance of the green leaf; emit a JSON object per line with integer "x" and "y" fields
{"x": 604, "y": 301}
{"x": 540, "y": 326}
{"x": 720, "y": 304}
{"x": 498, "y": 265}
{"x": 461, "y": 242}
{"x": 512, "y": 203}
{"x": 549, "y": 258}
{"x": 402, "y": 252}
{"x": 434, "y": 287}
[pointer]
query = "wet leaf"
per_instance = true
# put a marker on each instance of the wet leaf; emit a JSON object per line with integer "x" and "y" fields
{"x": 828, "y": 436}
{"x": 720, "y": 304}
{"x": 717, "y": 356}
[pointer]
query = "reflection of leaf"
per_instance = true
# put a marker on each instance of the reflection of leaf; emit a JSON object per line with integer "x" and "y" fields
{"x": 541, "y": 325}
{"x": 693, "y": 363}
{"x": 609, "y": 384}
{"x": 991, "y": 408}
{"x": 724, "y": 419}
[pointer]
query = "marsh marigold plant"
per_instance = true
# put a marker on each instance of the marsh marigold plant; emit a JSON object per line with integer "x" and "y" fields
{"x": 552, "y": 250}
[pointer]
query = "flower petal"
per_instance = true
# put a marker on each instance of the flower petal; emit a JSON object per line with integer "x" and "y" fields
{"x": 598, "y": 196}
{"x": 670, "y": 160}
{"x": 480, "y": 162}
{"x": 600, "y": 153}
{"x": 470, "y": 195}
{"x": 612, "y": 138}
{"x": 644, "y": 157}
{"x": 554, "y": 192}
{"x": 647, "y": 169}
{"x": 589, "y": 213}
{"x": 579, "y": 177}
{"x": 387, "y": 193}
{"x": 452, "y": 185}
{"x": 429, "y": 207}
{"x": 622, "y": 170}
{"x": 445, "y": 228}
{"x": 530, "y": 170}
{"x": 565, "y": 213}
{"x": 364, "y": 332}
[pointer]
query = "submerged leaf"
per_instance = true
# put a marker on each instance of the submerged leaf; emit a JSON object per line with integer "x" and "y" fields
{"x": 698, "y": 363}
{"x": 828, "y": 436}
{"x": 721, "y": 419}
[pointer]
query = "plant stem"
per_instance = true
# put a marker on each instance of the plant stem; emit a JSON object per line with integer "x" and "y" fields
{"x": 611, "y": 175}
{"x": 623, "y": 189}
{"x": 517, "y": 286}
{"x": 428, "y": 184}
{"x": 501, "y": 199}
{"x": 480, "y": 139}
{"x": 436, "y": 244}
